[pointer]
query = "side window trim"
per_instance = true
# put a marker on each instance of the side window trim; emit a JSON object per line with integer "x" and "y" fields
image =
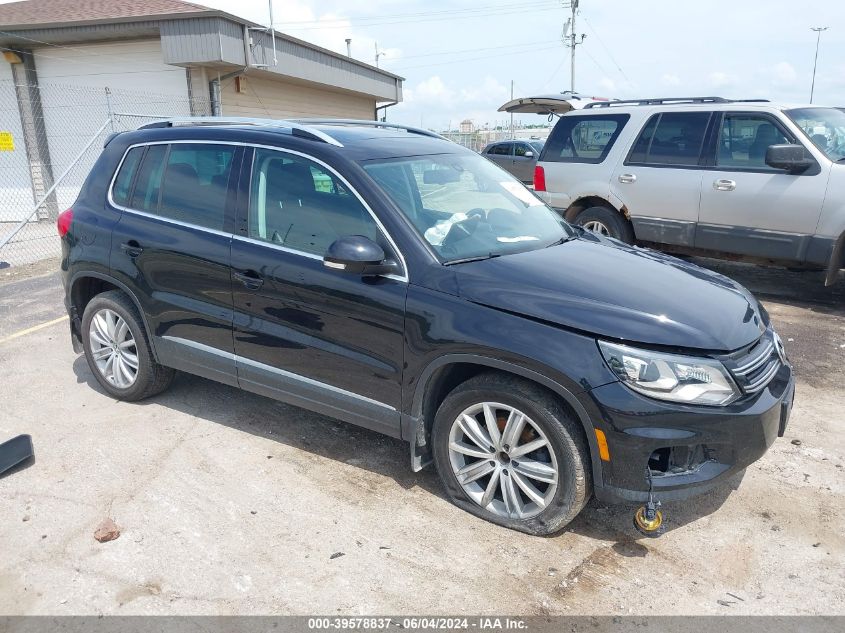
{"x": 228, "y": 218}
{"x": 243, "y": 209}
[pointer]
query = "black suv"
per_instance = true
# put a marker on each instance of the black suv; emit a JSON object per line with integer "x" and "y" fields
{"x": 387, "y": 277}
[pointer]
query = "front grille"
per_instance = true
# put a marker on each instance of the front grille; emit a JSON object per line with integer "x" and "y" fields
{"x": 755, "y": 367}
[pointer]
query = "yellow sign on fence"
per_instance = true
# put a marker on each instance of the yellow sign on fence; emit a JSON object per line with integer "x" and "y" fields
{"x": 7, "y": 142}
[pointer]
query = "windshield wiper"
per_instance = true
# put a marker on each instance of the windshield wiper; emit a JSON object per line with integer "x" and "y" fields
{"x": 563, "y": 240}
{"x": 477, "y": 258}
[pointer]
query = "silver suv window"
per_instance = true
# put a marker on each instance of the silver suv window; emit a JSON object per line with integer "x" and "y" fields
{"x": 671, "y": 138}
{"x": 584, "y": 139}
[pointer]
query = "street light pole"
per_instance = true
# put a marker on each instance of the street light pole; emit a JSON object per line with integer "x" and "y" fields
{"x": 818, "y": 30}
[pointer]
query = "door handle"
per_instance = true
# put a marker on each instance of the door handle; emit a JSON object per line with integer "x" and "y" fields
{"x": 249, "y": 278}
{"x": 132, "y": 248}
{"x": 627, "y": 178}
{"x": 724, "y": 185}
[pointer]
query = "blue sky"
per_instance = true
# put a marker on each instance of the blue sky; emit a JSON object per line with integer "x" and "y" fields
{"x": 459, "y": 57}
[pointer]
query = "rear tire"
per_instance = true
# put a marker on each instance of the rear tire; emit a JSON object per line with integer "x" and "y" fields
{"x": 537, "y": 491}
{"x": 606, "y": 222}
{"x": 118, "y": 350}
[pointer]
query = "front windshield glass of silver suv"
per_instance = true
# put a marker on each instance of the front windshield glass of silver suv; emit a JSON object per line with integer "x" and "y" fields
{"x": 466, "y": 207}
{"x": 825, "y": 127}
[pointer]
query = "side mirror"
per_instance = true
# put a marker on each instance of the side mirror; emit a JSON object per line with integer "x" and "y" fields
{"x": 358, "y": 255}
{"x": 792, "y": 158}
{"x": 529, "y": 154}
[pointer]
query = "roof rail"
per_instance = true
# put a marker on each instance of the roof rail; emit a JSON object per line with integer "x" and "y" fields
{"x": 668, "y": 101}
{"x": 368, "y": 123}
{"x": 292, "y": 127}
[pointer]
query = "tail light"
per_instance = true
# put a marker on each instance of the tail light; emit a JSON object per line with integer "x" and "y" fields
{"x": 539, "y": 178}
{"x": 63, "y": 222}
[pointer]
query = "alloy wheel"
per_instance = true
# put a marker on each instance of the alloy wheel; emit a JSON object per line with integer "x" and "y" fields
{"x": 113, "y": 348}
{"x": 503, "y": 460}
{"x": 595, "y": 226}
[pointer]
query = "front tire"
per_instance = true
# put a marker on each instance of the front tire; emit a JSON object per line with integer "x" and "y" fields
{"x": 607, "y": 222}
{"x": 118, "y": 351}
{"x": 509, "y": 452}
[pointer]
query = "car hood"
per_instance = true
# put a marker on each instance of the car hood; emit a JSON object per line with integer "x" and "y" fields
{"x": 612, "y": 290}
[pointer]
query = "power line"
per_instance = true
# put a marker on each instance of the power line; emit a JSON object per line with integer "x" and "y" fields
{"x": 422, "y": 14}
{"x": 607, "y": 50}
{"x": 461, "y": 61}
{"x": 478, "y": 13}
{"x": 476, "y": 50}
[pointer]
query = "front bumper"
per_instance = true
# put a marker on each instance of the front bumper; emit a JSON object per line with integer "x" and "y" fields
{"x": 692, "y": 448}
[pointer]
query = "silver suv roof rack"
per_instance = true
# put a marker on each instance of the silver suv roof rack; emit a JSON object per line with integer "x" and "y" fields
{"x": 669, "y": 101}
{"x": 368, "y": 123}
{"x": 293, "y": 128}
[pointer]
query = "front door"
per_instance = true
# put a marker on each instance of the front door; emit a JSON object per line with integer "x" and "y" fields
{"x": 523, "y": 166}
{"x": 313, "y": 336}
{"x": 659, "y": 182}
{"x": 750, "y": 208}
{"x": 171, "y": 247}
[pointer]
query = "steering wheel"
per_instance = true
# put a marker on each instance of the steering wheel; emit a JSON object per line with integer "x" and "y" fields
{"x": 461, "y": 230}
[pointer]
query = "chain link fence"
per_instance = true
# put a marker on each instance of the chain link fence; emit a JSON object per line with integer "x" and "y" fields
{"x": 479, "y": 139}
{"x": 50, "y": 137}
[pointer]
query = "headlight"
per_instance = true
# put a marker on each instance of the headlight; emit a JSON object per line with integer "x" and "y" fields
{"x": 687, "y": 379}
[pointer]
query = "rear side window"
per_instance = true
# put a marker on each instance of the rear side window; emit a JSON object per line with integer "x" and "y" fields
{"x": 502, "y": 149}
{"x": 195, "y": 184}
{"x": 185, "y": 182}
{"x": 584, "y": 139}
{"x": 120, "y": 193}
{"x": 671, "y": 138}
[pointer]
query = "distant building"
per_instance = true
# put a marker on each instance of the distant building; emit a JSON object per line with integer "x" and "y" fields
{"x": 466, "y": 126}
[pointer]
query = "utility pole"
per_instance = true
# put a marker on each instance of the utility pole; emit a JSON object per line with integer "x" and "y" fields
{"x": 818, "y": 30}
{"x": 570, "y": 39}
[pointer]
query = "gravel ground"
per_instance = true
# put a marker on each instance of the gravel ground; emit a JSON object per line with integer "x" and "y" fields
{"x": 230, "y": 503}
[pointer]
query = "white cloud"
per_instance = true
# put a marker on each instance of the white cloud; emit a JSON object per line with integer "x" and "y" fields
{"x": 607, "y": 85}
{"x": 670, "y": 79}
{"x": 783, "y": 74}
{"x": 720, "y": 79}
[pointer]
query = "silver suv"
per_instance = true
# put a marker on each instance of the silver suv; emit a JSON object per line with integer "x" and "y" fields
{"x": 705, "y": 175}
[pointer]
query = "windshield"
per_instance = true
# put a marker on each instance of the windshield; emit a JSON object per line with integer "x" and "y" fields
{"x": 466, "y": 207}
{"x": 537, "y": 145}
{"x": 825, "y": 127}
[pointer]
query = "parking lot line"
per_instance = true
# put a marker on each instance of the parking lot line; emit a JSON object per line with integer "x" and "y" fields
{"x": 32, "y": 329}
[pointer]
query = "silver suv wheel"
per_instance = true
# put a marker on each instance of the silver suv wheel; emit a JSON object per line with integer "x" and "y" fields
{"x": 503, "y": 460}
{"x": 596, "y": 227}
{"x": 113, "y": 348}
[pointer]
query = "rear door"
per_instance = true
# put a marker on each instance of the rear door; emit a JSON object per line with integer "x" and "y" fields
{"x": 750, "y": 208}
{"x": 659, "y": 181}
{"x": 306, "y": 334}
{"x": 172, "y": 248}
{"x": 502, "y": 155}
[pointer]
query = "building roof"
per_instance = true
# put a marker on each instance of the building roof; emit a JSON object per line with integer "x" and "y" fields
{"x": 40, "y": 12}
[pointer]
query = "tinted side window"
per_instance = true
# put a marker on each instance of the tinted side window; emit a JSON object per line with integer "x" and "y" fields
{"x": 120, "y": 192}
{"x": 195, "y": 184}
{"x": 584, "y": 139}
{"x": 502, "y": 149}
{"x": 744, "y": 139}
{"x": 148, "y": 184}
{"x": 671, "y": 138}
{"x": 294, "y": 202}
{"x": 521, "y": 148}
